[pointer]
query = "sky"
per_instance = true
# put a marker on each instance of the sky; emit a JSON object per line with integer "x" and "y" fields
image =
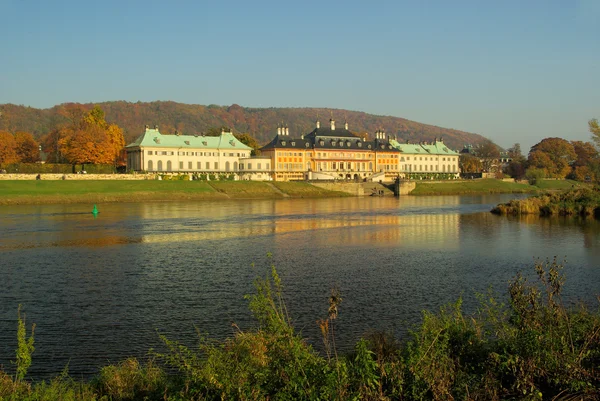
{"x": 512, "y": 71}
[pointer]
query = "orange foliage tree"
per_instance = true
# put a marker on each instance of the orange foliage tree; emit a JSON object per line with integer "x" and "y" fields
{"x": 89, "y": 140}
{"x": 554, "y": 155}
{"x": 27, "y": 148}
{"x": 8, "y": 148}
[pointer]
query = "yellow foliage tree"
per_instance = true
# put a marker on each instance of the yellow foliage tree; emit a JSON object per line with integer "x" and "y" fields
{"x": 8, "y": 146}
{"x": 92, "y": 140}
{"x": 27, "y": 147}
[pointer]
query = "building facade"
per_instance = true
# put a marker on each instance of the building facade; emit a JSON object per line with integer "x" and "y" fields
{"x": 329, "y": 153}
{"x": 426, "y": 158}
{"x": 154, "y": 152}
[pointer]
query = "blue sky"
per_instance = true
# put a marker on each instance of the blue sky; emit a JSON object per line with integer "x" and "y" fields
{"x": 513, "y": 71}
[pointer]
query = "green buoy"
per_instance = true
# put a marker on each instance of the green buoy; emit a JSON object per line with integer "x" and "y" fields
{"x": 95, "y": 210}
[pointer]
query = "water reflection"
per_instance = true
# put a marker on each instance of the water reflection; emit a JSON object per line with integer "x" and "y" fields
{"x": 98, "y": 289}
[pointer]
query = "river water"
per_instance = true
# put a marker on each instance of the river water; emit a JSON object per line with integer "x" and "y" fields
{"x": 100, "y": 289}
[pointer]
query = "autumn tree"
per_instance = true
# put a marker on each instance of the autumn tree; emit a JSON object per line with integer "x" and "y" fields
{"x": 554, "y": 155}
{"x": 489, "y": 154}
{"x": 8, "y": 148}
{"x": 517, "y": 165}
{"x": 27, "y": 148}
{"x": 91, "y": 140}
{"x": 469, "y": 164}
{"x": 587, "y": 164}
{"x": 595, "y": 130}
{"x": 51, "y": 146}
{"x": 249, "y": 140}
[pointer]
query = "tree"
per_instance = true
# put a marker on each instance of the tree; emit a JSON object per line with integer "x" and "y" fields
{"x": 489, "y": 154}
{"x": 91, "y": 140}
{"x": 518, "y": 164}
{"x": 249, "y": 140}
{"x": 554, "y": 155}
{"x": 515, "y": 153}
{"x": 27, "y": 148}
{"x": 51, "y": 146}
{"x": 469, "y": 164}
{"x": 595, "y": 130}
{"x": 8, "y": 148}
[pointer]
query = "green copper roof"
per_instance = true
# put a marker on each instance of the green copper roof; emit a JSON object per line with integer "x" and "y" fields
{"x": 437, "y": 148}
{"x": 153, "y": 138}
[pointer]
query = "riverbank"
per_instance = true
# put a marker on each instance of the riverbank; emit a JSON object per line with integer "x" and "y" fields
{"x": 89, "y": 190}
{"x": 575, "y": 202}
{"x": 99, "y": 191}
{"x": 490, "y": 186}
{"x": 532, "y": 348}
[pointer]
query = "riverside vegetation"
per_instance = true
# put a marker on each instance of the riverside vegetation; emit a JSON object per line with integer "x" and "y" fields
{"x": 534, "y": 347}
{"x": 575, "y": 202}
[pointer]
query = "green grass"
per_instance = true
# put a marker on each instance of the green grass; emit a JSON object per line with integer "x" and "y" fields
{"x": 560, "y": 184}
{"x": 306, "y": 190}
{"x": 82, "y": 191}
{"x": 485, "y": 186}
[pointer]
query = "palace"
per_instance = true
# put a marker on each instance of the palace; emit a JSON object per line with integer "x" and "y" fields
{"x": 153, "y": 151}
{"x": 329, "y": 153}
{"x": 326, "y": 153}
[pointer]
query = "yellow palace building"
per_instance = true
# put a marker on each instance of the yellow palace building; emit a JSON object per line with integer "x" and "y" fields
{"x": 329, "y": 153}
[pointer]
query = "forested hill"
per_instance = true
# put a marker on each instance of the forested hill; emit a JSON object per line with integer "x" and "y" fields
{"x": 258, "y": 122}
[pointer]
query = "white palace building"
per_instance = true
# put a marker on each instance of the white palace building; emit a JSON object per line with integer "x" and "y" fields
{"x": 326, "y": 153}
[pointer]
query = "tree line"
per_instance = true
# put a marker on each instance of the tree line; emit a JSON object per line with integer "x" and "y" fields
{"x": 86, "y": 139}
{"x": 549, "y": 158}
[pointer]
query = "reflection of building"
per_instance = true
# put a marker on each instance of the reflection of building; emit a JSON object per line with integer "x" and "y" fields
{"x": 426, "y": 157}
{"x": 329, "y": 153}
{"x": 153, "y": 151}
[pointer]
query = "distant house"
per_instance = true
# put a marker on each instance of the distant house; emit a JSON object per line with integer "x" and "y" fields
{"x": 154, "y": 152}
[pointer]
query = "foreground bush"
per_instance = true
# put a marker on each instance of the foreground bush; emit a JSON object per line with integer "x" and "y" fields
{"x": 533, "y": 348}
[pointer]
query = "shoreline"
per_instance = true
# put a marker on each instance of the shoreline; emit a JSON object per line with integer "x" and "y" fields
{"x": 91, "y": 190}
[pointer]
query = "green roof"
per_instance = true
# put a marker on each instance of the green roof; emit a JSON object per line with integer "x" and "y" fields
{"x": 436, "y": 148}
{"x": 154, "y": 139}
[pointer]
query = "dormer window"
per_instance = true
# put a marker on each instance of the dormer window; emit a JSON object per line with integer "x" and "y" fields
{"x": 307, "y": 144}
{"x": 187, "y": 142}
{"x": 283, "y": 143}
{"x": 293, "y": 143}
{"x": 369, "y": 146}
{"x": 348, "y": 143}
{"x": 322, "y": 143}
{"x": 332, "y": 143}
{"x": 359, "y": 144}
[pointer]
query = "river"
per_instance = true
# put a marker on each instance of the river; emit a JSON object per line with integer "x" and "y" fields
{"x": 100, "y": 289}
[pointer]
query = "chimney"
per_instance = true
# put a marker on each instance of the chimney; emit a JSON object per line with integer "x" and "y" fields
{"x": 346, "y": 125}
{"x": 287, "y": 131}
{"x": 278, "y": 130}
{"x": 147, "y": 127}
{"x": 318, "y": 124}
{"x": 332, "y": 122}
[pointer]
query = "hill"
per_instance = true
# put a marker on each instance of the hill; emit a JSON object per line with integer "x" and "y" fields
{"x": 258, "y": 122}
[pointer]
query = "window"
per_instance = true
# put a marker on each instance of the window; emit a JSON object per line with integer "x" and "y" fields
{"x": 169, "y": 165}
{"x": 216, "y": 165}
{"x": 259, "y": 166}
{"x": 249, "y": 166}
{"x": 190, "y": 165}
{"x": 159, "y": 165}
{"x": 150, "y": 152}
{"x": 227, "y": 166}
{"x": 150, "y": 166}
{"x": 180, "y": 165}
{"x": 199, "y": 166}
{"x": 208, "y": 165}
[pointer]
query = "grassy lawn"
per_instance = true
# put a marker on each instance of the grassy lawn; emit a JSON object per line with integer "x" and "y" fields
{"x": 299, "y": 189}
{"x": 486, "y": 186}
{"x": 560, "y": 184}
{"x": 82, "y": 191}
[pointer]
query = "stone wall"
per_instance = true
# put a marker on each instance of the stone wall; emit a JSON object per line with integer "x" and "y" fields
{"x": 352, "y": 188}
